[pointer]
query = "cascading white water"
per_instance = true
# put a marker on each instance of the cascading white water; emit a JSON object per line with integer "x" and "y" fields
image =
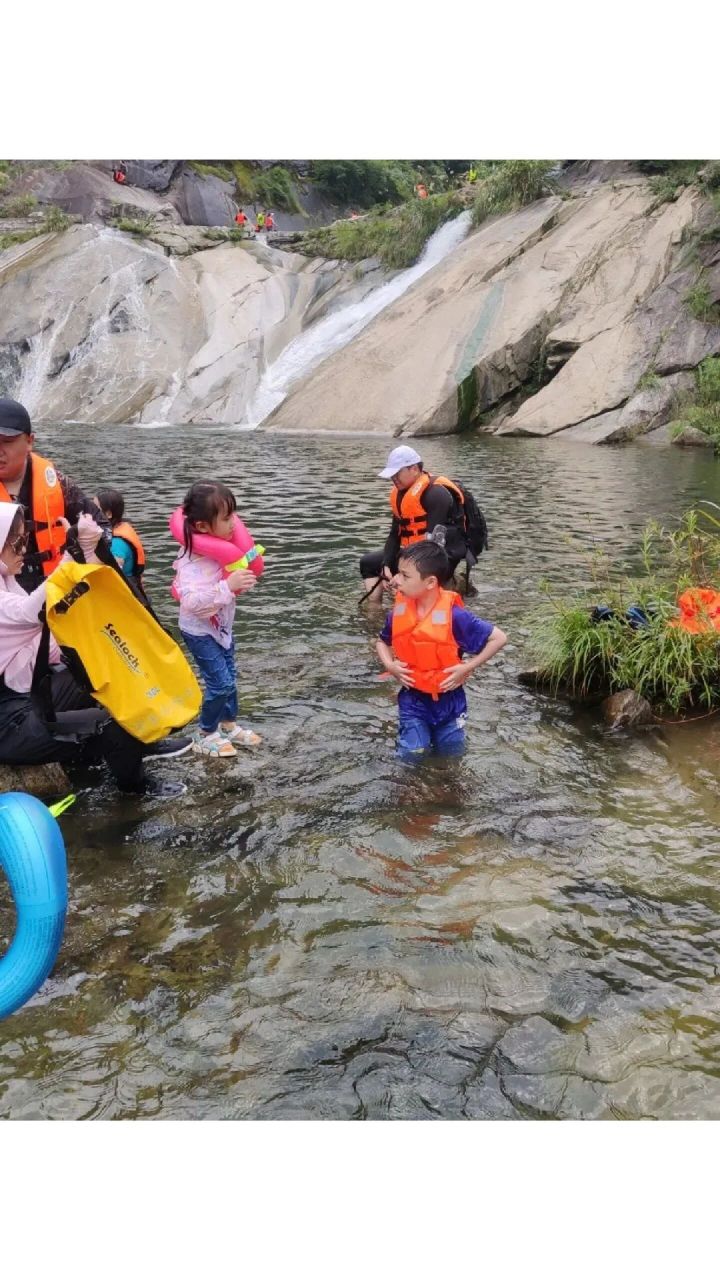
{"x": 305, "y": 352}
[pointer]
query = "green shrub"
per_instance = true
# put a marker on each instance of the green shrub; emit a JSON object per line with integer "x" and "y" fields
{"x": 55, "y": 219}
{"x": 211, "y": 170}
{"x": 19, "y": 206}
{"x": 665, "y": 664}
{"x": 134, "y": 226}
{"x": 16, "y": 237}
{"x": 700, "y": 305}
{"x": 275, "y": 189}
{"x": 365, "y": 183}
{"x": 508, "y": 185}
{"x": 397, "y": 237}
{"x": 703, "y": 410}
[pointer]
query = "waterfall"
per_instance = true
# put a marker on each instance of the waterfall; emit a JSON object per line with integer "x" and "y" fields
{"x": 326, "y": 336}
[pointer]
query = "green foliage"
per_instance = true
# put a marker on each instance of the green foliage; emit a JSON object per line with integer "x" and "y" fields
{"x": 134, "y": 226}
{"x": 18, "y": 206}
{"x": 365, "y": 183}
{"x": 16, "y": 237}
{"x": 703, "y": 411}
{"x": 507, "y": 185}
{"x": 663, "y": 663}
{"x": 700, "y": 305}
{"x": 244, "y": 181}
{"x": 396, "y": 237}
{"x": 711, "y": 175}
{"x": 667, "y": 183}
{"x": 649, "y": 380}
{"x": 55, "y": 219}
{"x": 275, "y": 189}
{"x": 211, "y": 170}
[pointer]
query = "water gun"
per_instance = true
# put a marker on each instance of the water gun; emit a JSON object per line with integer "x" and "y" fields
{"x": 245, "y": 561}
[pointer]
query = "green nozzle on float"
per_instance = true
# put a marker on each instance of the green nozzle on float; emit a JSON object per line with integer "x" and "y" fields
{"x": 61, "y": 805}
{"x": 245, "y": 561}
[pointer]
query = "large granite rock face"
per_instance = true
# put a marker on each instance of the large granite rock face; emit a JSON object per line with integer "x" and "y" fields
{"x": 89, "y": 192}
{"x": 591, "y": 289}
{"x": 99, "y": 326}
{"x": 152, "y": 175}
{"x": 205, "y": 200}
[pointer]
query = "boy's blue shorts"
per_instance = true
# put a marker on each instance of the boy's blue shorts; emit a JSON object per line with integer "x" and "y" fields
{"x": 418, "y": 736}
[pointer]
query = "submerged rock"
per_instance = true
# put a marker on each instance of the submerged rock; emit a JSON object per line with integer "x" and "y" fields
{"x": 626, "y": 710}
{"x": 42, "y": 780}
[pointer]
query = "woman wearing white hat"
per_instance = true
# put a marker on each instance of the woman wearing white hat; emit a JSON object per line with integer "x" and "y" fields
{"x": 81, "y": 729}
{"x": 419, "y": 502}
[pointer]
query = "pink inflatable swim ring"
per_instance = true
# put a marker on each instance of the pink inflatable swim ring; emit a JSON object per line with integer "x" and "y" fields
{"x": 222, "y": 550}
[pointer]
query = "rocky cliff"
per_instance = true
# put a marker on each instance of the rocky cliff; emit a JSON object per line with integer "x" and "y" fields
{"x": 100, "y": 326}
{"x": 570, "y": 315}
{"x": 573, "y": 315}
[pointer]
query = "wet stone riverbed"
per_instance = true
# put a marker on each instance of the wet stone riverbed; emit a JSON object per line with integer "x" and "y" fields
{"x": 319, "y": 931}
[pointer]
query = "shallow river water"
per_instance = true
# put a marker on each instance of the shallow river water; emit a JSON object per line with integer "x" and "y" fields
{"x": 319, "y": 931}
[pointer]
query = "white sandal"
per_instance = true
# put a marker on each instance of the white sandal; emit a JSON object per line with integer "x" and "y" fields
{"x": 213, "y": 744}
{"x": 243, "y": 737}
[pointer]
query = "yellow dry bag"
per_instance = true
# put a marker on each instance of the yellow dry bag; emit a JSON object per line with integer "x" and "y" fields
{"x": 129, "y": 664}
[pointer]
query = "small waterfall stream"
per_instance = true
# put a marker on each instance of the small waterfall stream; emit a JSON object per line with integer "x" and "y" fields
{"x": 305, "y": 352}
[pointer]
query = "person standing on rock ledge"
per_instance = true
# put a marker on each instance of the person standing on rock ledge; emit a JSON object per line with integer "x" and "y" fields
{"x": 47, "y": 497}
{"x": 419, "y": 503}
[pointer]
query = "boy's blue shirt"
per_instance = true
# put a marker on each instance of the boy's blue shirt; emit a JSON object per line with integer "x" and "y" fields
{"x": 471, "y": 634}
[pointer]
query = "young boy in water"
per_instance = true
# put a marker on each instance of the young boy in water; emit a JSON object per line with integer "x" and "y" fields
{"x": 421, "y": 645}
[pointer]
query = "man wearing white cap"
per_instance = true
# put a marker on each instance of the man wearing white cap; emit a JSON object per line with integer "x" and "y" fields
{"x": 419, "y": 502}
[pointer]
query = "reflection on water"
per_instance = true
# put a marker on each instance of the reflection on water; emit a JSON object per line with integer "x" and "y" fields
{"x": 320, "y": 931}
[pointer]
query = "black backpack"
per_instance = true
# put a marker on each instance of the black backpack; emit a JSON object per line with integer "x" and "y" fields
{"x": 476, "y": 528}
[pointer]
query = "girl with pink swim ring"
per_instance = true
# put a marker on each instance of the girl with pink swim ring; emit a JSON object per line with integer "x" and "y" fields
{"x": 213, "y": 538}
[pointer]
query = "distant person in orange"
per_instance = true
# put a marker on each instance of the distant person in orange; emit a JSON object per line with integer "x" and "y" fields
{"x": 269, "y": 221}
{"x": 354, "y": 215}
{"x": 241, "y": 218}
{"x": 120, "y": 172}
{"x": 422, "y": 191}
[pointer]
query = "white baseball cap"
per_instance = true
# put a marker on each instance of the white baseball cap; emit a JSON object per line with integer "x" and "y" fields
{"x": 401, "y": 457}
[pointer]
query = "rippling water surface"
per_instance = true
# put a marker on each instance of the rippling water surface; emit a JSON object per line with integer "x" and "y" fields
{"x": 319, "y": 931}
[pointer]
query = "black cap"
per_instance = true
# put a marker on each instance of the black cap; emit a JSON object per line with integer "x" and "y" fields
{"x": 14, "y": 418}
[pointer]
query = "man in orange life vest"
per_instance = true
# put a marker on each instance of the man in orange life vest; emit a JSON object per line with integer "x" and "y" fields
{"x": 48, "y": 498}
{"x": 418, "y": 502}
{"x": 421, "y": 646}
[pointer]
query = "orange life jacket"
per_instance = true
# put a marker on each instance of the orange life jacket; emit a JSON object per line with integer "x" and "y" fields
{"x": 241, "y": 218}
{"x": 125, "y": 530}
{"x": 426, "y": 644}
{"x": 699, "y": 611}
{"x": 269, "y": 223}
{"x": 409, "y": 511}
{"x": 48, "y": 509}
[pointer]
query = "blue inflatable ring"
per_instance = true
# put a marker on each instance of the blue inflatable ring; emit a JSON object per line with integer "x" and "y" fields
{"x": 32, "y": 855}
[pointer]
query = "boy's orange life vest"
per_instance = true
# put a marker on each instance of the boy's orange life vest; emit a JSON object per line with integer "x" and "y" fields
{"x": 426, "y": 644}
{"x": 241, "y": 218}
{"x": 126, "y": 531}
{"x": 409, "y": 511}
{"x": 48, "y": 509}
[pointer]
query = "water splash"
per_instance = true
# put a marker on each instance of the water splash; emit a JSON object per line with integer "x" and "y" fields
{"x": 335, "y": 331}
